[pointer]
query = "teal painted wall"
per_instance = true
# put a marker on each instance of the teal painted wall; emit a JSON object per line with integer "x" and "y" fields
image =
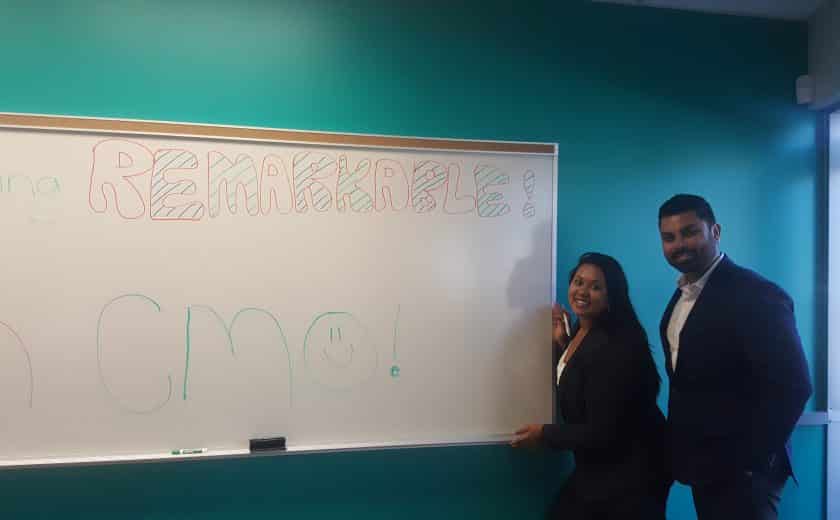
{"x": 643, "y": 103}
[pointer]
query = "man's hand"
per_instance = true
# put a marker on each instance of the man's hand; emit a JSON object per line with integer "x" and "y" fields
{"x": 528, "y": 435}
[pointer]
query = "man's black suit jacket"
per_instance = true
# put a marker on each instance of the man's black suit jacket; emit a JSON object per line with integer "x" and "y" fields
{"x": 741, "y": 380}
{"x": 607, "y": 401}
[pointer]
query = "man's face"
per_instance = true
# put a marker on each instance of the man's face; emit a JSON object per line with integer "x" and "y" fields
{"x": 689, "y": 243}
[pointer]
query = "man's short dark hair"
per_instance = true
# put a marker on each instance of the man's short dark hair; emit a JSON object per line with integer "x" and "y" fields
{"x": 683, "y": 203}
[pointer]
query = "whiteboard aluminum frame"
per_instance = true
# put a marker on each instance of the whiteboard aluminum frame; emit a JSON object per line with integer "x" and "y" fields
{"x": 239, "y": 453}
{"x": 99, "y": 125}
{"x": 64, "y": 123}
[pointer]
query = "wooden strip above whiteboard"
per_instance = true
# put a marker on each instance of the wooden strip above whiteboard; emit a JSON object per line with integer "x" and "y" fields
{"x": 86, "y": 124}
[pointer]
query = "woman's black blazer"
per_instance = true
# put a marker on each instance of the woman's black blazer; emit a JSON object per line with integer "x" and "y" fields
{"x": 609, "y": 419}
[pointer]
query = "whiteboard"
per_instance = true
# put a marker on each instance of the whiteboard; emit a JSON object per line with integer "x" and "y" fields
{"x": 163, "y": 290}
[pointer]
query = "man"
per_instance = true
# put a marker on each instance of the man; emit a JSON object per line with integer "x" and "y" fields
{"x": 739, "y": 380}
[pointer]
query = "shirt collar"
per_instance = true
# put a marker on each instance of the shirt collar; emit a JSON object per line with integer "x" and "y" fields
{"x": 690, "y": 288}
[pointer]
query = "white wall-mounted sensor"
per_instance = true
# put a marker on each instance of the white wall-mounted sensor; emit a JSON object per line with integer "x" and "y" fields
{"x": 805, "y": 89}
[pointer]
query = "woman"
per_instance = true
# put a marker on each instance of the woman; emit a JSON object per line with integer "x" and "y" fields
{"x": 607, "y": 385}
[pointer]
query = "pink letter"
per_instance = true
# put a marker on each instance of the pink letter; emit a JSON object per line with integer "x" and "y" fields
{"x": 275, "y": 186}
{"x": 454, "y": 203}
{"x": 490, "y": 204}
{"x": 115, "y": 163}
{"x": 390, "y": 185}
{"x": 310, "y": 169}
{"x": 429, "y": 176}
{"x": 171, "y": 200}
{"x": 347, "y": 191}
{"x": 228, "y": 179}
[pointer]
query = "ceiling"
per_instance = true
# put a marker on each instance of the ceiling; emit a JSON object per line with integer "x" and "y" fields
{"x": 781, "y": 9}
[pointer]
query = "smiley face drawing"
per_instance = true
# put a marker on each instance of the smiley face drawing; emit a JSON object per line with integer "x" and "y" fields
{"x": 336, "y": 351}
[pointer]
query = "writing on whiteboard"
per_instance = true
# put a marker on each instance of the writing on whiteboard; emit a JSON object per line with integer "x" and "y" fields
{"x": 33, "y": 195}
{"x": 337, "y": 352}
{"x": 29, "y": 186}
{"x": 16, "y": 385}
{"x": 133, "y": 181}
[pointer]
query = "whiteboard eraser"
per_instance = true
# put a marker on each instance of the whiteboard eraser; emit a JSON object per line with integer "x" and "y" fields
{"x": 269, "y": 444}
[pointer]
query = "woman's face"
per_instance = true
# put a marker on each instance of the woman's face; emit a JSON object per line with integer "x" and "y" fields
{"x": 588, "y": 292}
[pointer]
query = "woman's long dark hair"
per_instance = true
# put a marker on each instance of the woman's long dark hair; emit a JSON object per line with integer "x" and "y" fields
{"x": 619, "y": 320}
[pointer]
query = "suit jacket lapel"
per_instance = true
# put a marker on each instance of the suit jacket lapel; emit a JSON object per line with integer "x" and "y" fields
{"x": 663, "y": 330}
{"x": 709, "y": 297}
{"x": 707, "y": 300}
{"x": 592, "y": 340}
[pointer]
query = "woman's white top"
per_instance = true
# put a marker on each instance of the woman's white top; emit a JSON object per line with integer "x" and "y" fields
{"x": 560, "y": 366}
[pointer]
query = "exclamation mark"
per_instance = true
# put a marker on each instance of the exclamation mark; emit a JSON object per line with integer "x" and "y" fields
{"x": 395, "y": 369}
{"x": 529, "y": 180}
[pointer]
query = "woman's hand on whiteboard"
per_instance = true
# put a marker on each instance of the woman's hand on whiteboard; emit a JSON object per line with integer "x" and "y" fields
{"x": 528, "y": 435}
{"x": 560, "y": 325}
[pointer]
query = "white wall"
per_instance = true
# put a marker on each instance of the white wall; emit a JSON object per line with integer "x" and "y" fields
{"x": 833, "y": 448}
{"x": 824, "y": 53}
{"x": 834, "y": 260}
